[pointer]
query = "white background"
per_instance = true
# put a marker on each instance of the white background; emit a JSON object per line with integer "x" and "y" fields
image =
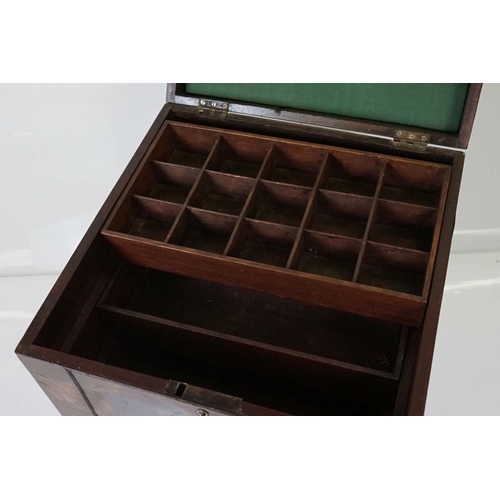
{"x": 62, "y": 150}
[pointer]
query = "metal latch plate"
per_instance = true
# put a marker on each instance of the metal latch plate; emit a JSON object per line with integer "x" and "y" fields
{"x": 212, "y": 108}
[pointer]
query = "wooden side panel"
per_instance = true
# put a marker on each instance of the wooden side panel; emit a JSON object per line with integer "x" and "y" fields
{"x": 422, "y": 370}
{"x": 57, "y": 384}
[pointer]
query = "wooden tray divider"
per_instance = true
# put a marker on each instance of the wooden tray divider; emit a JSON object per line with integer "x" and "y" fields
{"x": 238, "y": 232}
{"x": 219, "y": 221}
{"x": 358, "y": 201}
{"x": 160, "y": 210}
{"x": 222, "y": 193}
{"x": 408, "y": 213}
{"x": 174, "y": 171}
{"x": 179, "y": 224}
{"x": 298, "y": 245}
{"x": 280, "y": 203}
{"x": 272, "y": 231}
{"x": 232, "y": 183}
{"x": 398, "y": 257}
{"x": 371, "y": 218}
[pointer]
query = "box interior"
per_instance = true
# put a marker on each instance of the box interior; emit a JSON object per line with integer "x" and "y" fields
{"x": 318, "y": 211}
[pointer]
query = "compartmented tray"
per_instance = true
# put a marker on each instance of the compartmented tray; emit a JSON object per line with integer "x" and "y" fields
{"x": 324, "y": 225}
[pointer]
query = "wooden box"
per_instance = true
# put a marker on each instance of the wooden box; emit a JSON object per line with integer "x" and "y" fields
{"x": 263, "y": 255}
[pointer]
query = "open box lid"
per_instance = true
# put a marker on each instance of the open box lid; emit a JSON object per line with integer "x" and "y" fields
{"x": 412, "y": 114}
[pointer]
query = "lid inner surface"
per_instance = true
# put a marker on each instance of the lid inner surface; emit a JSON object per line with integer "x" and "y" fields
{"x": 436, "y": 106}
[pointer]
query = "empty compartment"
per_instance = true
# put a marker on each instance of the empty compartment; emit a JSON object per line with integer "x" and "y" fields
{"x": 202, "y": 230}
{"x": 357, "y": 175}
{"x": 265, "y": 242}
{"x": 241, "y": 155}
{"x": 187, "y": 146}
{"x": 222, "y": 193}
{"x": 256, "y": 316}
{"x": 153, "y": 219}
{"x": 403, "y": 225}
{"x": 421, "y": 186}
{"x": 394, "y": 268}
{"x": 172, "y": 182}
{"x": 280, "y": 204}
{"x": 329, "y": 256}
{"x": 342, "y": 214}
{"x": 298, "y": 167}
{"x": 272, "y": 379}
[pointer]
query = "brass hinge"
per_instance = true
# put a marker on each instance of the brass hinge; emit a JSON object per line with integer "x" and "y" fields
{"x": 412, "y": 141}
{"x": 211, "y": 108}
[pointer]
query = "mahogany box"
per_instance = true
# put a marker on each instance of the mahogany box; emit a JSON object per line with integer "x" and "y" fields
{"x": 271, "y": 249}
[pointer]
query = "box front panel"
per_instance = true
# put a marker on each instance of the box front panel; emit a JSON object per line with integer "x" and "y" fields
{"x": 112, "y": 398}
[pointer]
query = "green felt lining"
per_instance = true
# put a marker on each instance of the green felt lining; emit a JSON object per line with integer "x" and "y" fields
{"x": 436, "y": 106}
